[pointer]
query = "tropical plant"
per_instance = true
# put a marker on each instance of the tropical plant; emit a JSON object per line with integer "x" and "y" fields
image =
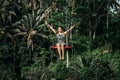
{"x": 25, "y": 52}
{"x": 6, "y": 17}
{"x": 30, "y": 26}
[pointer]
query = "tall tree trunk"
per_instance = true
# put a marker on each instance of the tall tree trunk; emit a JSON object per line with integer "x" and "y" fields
{"x": 33, "y": 7}
{"x": 73, "y": 7}
{"x": 14, "y": 58}
{"x": 108, "y": 44}
{"x": 94, "y": 30}
{"x": 41, "y": 4}
{"x": 107, "y": 19}
{"x": 90, "y": 30}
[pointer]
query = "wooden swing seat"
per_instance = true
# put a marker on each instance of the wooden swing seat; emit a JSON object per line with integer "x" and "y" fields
{"x": 66, "y": 47}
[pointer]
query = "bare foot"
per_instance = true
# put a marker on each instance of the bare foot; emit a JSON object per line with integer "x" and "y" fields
{"x": 62, "y": 58}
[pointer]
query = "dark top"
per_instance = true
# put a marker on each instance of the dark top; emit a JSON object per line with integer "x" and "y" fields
{"x": 60, "y": 37}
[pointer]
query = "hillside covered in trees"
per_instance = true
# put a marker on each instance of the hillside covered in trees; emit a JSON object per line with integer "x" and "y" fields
{"x": 25, "y": 40}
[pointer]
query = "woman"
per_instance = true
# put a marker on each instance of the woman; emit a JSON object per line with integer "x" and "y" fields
{"x": 60, "y": 36}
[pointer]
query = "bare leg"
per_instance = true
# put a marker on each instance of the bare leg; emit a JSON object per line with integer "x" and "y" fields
{"x": 59, "y": 50}
{"x": 62, "y": 48}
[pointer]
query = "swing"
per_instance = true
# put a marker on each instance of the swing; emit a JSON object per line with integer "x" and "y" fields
{"x": 66, "y": 47}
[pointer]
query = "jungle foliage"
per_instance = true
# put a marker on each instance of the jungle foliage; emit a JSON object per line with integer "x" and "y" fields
{"x": 25, "y": 40}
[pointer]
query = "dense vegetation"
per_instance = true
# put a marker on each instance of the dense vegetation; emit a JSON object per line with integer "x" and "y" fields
{"x": 25, "y": 41}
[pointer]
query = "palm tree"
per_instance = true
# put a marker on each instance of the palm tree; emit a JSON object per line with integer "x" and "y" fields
{"x": 30, "y": 25}
{"x": 6, "y": 17}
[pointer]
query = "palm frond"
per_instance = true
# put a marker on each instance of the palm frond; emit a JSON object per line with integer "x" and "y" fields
{"x": 39, "y": 27}
{"x": 21, "y": 33}
{"x": 40, "y": 17}
{"x": 16, "y": 23}
{"x": 12, "y": 12}
{"x": 41, "y": 35}
{"x": 29, "y": 42}
{"x": 47, "y": 11}
{"x": 16, "y": 30}
{"x": 39, "y": 11}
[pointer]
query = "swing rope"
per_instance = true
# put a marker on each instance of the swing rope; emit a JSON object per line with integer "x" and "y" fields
{"x": 51, "y": 36}
{"x": 66, "y": 25}
{"x": 67, "y": 53}
{"x": 67, "y": 46}
{"x": 51, "y": 32}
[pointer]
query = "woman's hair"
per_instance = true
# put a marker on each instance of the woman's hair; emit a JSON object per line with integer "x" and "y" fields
{"x": 62, "y": 28}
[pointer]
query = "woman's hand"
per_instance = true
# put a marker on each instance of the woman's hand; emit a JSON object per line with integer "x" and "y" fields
{"x": 46, "y": 22}
{"x": 49, "y": 26}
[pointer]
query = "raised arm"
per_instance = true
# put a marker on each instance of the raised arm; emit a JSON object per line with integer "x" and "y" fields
{"x": 69, "y": 29}
{"x": 49, "y": 26}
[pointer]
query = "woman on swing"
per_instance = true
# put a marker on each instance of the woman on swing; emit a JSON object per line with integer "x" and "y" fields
{"x": 60, "y": 38}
